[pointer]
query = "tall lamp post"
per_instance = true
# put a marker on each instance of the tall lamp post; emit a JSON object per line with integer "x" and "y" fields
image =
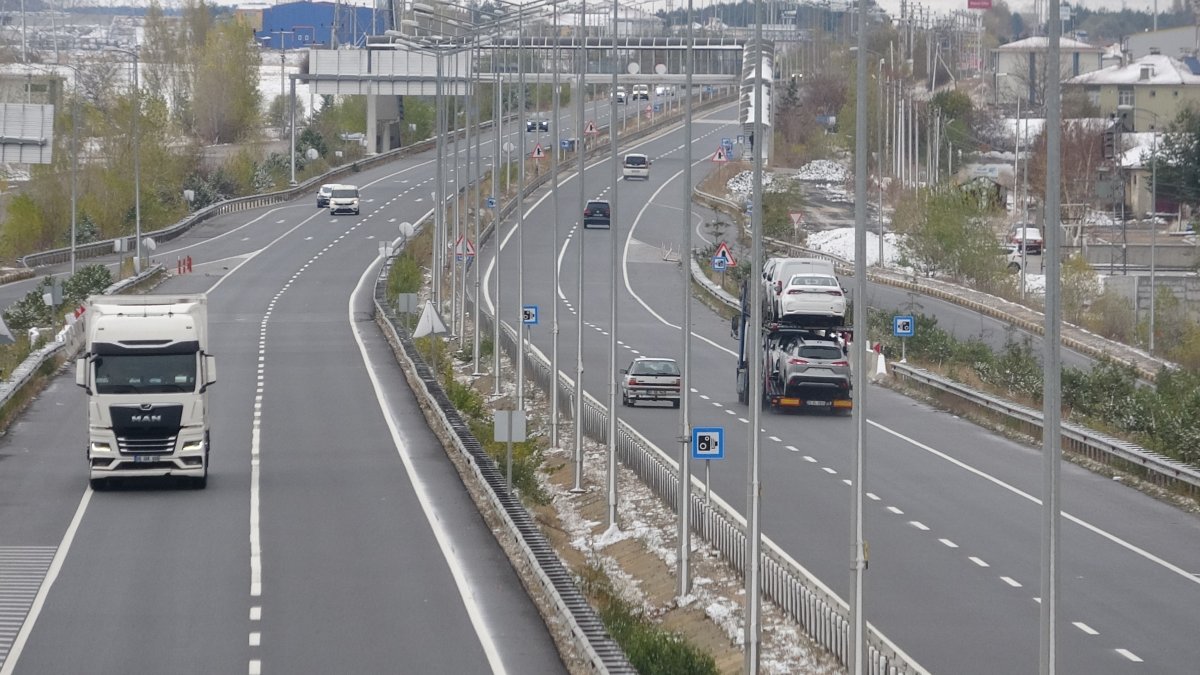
{"x": 1153, "y": 212}
{"x": 137, "y": 160}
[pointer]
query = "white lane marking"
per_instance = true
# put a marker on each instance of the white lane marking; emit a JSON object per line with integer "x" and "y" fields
{"x": 847, "y": 481}
{"x": 1011, "y": 582}
{"x": 828, "y": 470}
{"x": 256, "y": 613}
{"x": 743, "y": 420}
{"x": 255, "y": 667}
{"x": 1129, "y": 655}
{"x": 424, "y": 496}
{"x": 979, "y": 561}
{"x": 895, "y": 510}
{"x": 1017, "y": 491}
{"x": 39, "y": 601}
{"x": 874, "y": 497}
{"x": 1085, "y": 628}
{"x": 730, "y": 412}
{"x": 919, "y": 525}
{"x": 774, "y": 438}
{"x": 255, "y": 639}
{"x": 810, "y": 459}
{"x": 948, "y": 543}
{"x": 792, "y": 448}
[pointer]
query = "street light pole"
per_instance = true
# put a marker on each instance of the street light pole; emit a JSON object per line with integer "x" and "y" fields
{"x": 580, "y": 87}
{"x": 1153, "y": 223}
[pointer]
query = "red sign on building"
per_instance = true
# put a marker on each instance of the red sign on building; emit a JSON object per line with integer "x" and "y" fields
{"x": 979, "y": 4}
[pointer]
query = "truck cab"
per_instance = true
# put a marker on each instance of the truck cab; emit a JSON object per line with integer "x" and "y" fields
{"x": 146, "y": 371}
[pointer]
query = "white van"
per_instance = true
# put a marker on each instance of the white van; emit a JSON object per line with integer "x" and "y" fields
{"x": 636, "y": 165}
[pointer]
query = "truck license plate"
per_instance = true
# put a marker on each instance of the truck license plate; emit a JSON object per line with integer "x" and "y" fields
{"x": 144, "y": 458}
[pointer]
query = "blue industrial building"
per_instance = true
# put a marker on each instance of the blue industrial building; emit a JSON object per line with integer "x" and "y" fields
{"x": 313, "y": 24}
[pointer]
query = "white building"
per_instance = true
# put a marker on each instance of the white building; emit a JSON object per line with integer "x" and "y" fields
{"x": 1020, "y": 66}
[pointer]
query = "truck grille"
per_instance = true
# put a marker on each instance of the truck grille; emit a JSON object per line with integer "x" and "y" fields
{"x": 153, "y": 446}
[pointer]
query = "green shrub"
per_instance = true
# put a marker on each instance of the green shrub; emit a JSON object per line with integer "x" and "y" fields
{"x": 651, "y": 649}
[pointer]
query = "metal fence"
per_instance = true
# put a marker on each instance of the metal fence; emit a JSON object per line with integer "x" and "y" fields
{"x": 1151, "y": 466}
{"x": 808, "y": 601}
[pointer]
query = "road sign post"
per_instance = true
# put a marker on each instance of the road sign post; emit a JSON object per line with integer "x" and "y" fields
{"x": 708, "y": 443}
{"x": 903, "y": 327}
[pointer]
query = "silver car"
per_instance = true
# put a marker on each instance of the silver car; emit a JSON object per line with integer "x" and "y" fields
{"x": 810, "y": 360}
{"x": 650, "y": 379}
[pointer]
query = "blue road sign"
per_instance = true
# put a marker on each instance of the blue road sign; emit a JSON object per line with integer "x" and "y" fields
{"x": 708, "y": 443}
{"x": 719, "y": 263}
{"x": 529, "y": 315}
{"x": 657, "y": 107}
{"x": 727, "y": 143}
{"x": 491, "y": 202}
{"x": 903, "y": 326}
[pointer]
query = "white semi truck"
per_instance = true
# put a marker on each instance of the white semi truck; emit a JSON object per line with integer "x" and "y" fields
{"x": 147, "y": 370}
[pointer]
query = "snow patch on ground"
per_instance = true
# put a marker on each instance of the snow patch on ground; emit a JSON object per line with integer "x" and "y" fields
{"x": 840, "y": 242}
{"x": 823, "y": 170}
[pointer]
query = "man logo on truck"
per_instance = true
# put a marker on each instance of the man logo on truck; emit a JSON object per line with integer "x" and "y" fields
{"x": 146, "y": 418}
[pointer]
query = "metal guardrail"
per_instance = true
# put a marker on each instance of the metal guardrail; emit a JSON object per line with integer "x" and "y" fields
{"x": 1156, "y": 468}
{"x": 588, "y": 634}
{"x": 68, "y": 341}
{"x": 799, "y": 593}
{"x": 98, "y": 248}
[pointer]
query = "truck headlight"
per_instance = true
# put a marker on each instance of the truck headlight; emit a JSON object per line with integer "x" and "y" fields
{"x": 190, "y": 446}
{"x": 97, "y": 446}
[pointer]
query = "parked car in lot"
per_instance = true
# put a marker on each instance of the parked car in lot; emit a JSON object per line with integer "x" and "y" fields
{"x": 1012, "y": 257}
{"x": 1031, "y": 237}
{"x": 597, "y": 214}
{"x": 650, "y": 379}
{"x": 636, "y": 165}
{"x": 343, "y": 199}
{"x": 323, "y": 195}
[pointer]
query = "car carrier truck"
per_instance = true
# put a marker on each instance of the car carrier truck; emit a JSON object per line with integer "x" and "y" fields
{"x": 146, "y": 370}
{"x": 802, "y": 366}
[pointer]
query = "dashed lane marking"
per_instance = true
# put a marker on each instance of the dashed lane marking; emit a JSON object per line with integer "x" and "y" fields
{"x": 1085, "y": 628}
{"x": 948, "y": 544}
{"x": 1129, "y": 655}
{"x": 1012, "y": 582}
{"x": 979, "y": 561}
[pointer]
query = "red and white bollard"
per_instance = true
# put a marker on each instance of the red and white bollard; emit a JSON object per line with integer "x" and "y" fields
{"x": 189, "y": 264}
{"x": 178, "y": 266}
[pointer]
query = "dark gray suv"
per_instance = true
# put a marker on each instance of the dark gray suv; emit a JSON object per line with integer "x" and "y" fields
{"x": 597, "y": 214}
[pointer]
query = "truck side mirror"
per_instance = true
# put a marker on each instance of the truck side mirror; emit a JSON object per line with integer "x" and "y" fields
{"x": 210, "y": 371}
{"x": 81, "y": 373}
{"x": 733, "y": 325}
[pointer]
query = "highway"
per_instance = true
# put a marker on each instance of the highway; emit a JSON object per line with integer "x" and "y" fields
{"x": 953, "y": 518}
{"x": 156, "y": 579}
{"x": 334, "y": 535}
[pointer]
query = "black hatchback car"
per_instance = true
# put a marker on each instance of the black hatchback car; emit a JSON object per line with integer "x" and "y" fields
{"x": 596, "y": 213}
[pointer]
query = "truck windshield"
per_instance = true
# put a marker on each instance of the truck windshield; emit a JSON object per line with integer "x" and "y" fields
{"x": 145, "y": 373}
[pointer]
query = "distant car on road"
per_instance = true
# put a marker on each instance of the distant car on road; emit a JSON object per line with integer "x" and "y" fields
{"x": 650, "y": 379}
{"x": 597, "y": 213}
{"x": 343, "y": 199}
{"x": 641, "y": 91}
{"x": 323, "y": 195}
{"x": 537, "y": 124}
{"x": 636, "y": 165}
{"x": 622, "y": 96}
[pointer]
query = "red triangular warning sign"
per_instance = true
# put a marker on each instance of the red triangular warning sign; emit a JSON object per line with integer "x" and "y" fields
{"x": 720, "y": 155}
{"x": 538, "y": 152}
{"x": 724, "y": 252}
{"x": 590, "y": 128}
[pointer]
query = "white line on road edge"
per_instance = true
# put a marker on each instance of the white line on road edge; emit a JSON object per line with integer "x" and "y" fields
{"x": 1017, "y": 491}
{"x": 60, "y": 556}
{"x": 436, "y": 523}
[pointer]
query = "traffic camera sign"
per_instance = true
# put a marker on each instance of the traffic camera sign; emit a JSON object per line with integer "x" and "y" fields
{"x": 903, "y": 326}
{"x": 708, "y": 443}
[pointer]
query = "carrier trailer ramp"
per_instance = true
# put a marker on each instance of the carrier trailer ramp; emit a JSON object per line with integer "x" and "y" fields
{"x": 146, "y": 370}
